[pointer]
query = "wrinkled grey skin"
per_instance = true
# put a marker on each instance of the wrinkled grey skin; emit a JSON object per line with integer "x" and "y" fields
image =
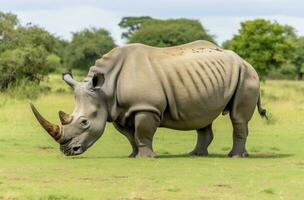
{"x": 140, "y": 88}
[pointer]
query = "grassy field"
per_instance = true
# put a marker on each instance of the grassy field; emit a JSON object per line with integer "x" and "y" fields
{"x": 32, "y": 167}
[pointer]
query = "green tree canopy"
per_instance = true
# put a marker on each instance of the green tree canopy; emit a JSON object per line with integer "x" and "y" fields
{"x": 14, "y": 35}
{"x": 23, "y": 51}
{"x": 264, "y": 44}
{"x": 298, "y": 60}
{"x": 131, "y": 24}
{"x": 8, "y": 34}
{"x": 22, "y": 63}
{"x": 164, "y": 33}
{"x": 32, "y": 35}
{"x": 87, "y": 46}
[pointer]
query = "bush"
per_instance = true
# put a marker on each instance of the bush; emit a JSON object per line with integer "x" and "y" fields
{"x": 264, "y": 44}
{"x": 87, "y": 46}
{"x": 22, "y": 63}
{"x": 171, "y": 32}
{"x": 287, "y": 71}
{"x": 24, "y": 89}
{"x": 53, "y": 62}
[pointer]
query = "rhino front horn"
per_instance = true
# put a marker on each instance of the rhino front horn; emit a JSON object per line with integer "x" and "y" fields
{"x": 53, "y": 130}
{"x": 65, "y": 118}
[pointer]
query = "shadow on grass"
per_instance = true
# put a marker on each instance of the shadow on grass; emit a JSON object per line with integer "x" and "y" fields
{"x": 265, "y": 155}
{"x": 270, "y": 155}
{"x": 96, "y": 157}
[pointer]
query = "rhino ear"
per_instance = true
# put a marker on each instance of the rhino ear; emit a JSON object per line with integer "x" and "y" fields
{"x": 98, "y": 80}
{"x": 68, "y": 78}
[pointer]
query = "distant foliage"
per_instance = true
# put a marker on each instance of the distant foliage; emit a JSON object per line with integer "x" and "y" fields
{"x": 8, "y": 34}
{"x": 22, "y": 63}
{"x": 131, "y": 24}
{"x": 87, "y": 46}
{"x": 298, "y": 60}
{"x": 164, "y": 33}
{"x": 28, "y": 52}
{"x": 24, "y": 51}
{"x": 286, "y": 71}
{"x": 53, "y": 63}
{"x": 13, "y": 35}
{"x": 24, "y": 89}
{"x": 36, "y": 37}
{"x": 264, "y": 44}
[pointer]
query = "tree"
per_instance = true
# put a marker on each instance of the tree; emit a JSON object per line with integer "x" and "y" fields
{"x": 23, "y": 51}
{"x": 22, "y": 63}
{"x": 264, "y": 44}
{"x": 132, "y": 24}
{"x": 13, "y": 35}
{"x": 8, "y": 25}
{"x": 87, "y": 46}
{"x": 53, "y": 63}
{"x": 298, "y": 60}
{"x": 35, "y": 36}
{"x": 164, "y": 33}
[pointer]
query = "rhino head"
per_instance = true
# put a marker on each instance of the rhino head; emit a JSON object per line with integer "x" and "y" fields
{"x": 86, "y": 124}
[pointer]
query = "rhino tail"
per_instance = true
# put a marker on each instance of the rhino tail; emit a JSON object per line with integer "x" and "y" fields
{"x": 261, "y": 110}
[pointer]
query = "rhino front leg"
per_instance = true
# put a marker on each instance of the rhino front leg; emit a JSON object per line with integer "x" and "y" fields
{"x": 204, "y": 138}
{"x": 129, "y": 133}
{"x": 240, "y": 133}
{"x": 146, "y": 124}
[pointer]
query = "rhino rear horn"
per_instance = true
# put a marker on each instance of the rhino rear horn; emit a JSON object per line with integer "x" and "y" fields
{"x": 64, "y": 118}
{"x": 53, "y": 130}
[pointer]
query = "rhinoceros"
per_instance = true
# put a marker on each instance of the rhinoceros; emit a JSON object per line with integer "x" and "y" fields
{"x": 140, "y": 88}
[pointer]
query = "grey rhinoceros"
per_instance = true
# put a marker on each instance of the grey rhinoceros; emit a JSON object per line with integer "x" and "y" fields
{"x": 140, "y": 88}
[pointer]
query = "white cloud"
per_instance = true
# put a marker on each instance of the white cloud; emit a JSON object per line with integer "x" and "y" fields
{"x": 63, "y": 21}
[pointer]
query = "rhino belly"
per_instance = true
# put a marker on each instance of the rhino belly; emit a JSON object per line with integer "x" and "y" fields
{"x": 193, "y": 117}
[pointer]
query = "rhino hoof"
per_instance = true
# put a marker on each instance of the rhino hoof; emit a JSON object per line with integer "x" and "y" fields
{"x": 145, "y": 152}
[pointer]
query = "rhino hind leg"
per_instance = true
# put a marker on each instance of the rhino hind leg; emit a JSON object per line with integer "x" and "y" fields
{"x": 129, "y": 133}
{"x": 204, "y": 138}
{"x": 146, "y": 124}
{"x": 240, "y": 133}
{"x": 243, "y": 106}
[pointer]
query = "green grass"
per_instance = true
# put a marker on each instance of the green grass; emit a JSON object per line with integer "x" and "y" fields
{"x": 32, "y": 167}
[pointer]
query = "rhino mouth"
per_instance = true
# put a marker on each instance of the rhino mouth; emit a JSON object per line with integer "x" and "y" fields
{"x": 70, "y": 148}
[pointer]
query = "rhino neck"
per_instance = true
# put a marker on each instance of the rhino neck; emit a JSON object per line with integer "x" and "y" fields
{"x": 110, "y": 66}
{"x": 110, "y": 89}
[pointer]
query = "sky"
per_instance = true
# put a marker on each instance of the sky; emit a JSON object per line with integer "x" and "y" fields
{"x": 220, "y": 17}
